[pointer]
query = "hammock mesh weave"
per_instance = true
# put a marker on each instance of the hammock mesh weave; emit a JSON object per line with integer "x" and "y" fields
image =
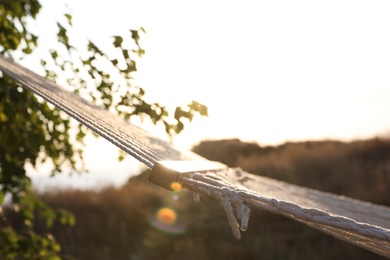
{"x": 363, "y": 224}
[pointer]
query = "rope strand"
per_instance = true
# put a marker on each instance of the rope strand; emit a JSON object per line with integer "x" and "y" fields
{"x": 231, "y": 194}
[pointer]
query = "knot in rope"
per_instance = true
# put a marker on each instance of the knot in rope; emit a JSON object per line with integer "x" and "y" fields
{"x": 231, "y": 200}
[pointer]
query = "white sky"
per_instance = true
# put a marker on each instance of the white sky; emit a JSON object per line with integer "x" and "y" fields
{"x": 269, "y": 71}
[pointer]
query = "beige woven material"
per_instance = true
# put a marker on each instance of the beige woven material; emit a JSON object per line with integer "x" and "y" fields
{"x": 363, "y": 224}
{"x": 130, "y": 138}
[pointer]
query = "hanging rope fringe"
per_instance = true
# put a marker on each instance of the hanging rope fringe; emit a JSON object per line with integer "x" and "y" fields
{"x": 235, "y": 197}
{"x": 363, "y": 224}
{"x": 227, "y": 197}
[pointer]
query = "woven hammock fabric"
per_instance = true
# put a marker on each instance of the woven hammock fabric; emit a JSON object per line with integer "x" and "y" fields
{"x": 124, "y": 135}
{"x": 363, "y": 224}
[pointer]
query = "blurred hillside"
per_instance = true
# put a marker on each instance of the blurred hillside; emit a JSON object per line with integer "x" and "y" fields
{"x": 359, "y": 169}
{"x": 128, "y": 223}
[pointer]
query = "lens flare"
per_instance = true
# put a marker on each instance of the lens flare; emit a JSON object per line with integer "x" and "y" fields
{"x": 165, "y": 220}
{"x": 166, "y": 216}
{"x": 176, "y": 186}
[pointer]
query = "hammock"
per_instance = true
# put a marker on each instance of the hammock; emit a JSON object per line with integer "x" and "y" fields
{"x": 363, "y": 224}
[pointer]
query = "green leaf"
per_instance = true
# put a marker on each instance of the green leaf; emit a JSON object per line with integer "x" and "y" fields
{"x": 180, "y": 113}
{"x": 198, "y": 107}
{"x": 117, "y": 41}
{"x": 69, "y": 17}
{"x": 114, "y": 62}
{"x": 179, "y": 127}
{"x": 135, "y": 35}
{"x": 93, "y": 48}
{"x": 139, "y": 52}
{"x": 54, "y": 54}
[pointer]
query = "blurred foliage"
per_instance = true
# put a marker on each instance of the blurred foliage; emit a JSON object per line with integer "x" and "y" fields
{"x": 32, "y": 131}
{"x": 117, "y": 223}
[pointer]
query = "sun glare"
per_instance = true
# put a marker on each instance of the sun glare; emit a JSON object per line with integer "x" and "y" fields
{"x": 166, "y": 216}
{"x": 268, "y": 72}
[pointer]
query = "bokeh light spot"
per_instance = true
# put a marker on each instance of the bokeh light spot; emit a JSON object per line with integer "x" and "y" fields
{"x": 175, "y": 186}
{"x": 166, "y": 216}
{"x": 167, "y": 220}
